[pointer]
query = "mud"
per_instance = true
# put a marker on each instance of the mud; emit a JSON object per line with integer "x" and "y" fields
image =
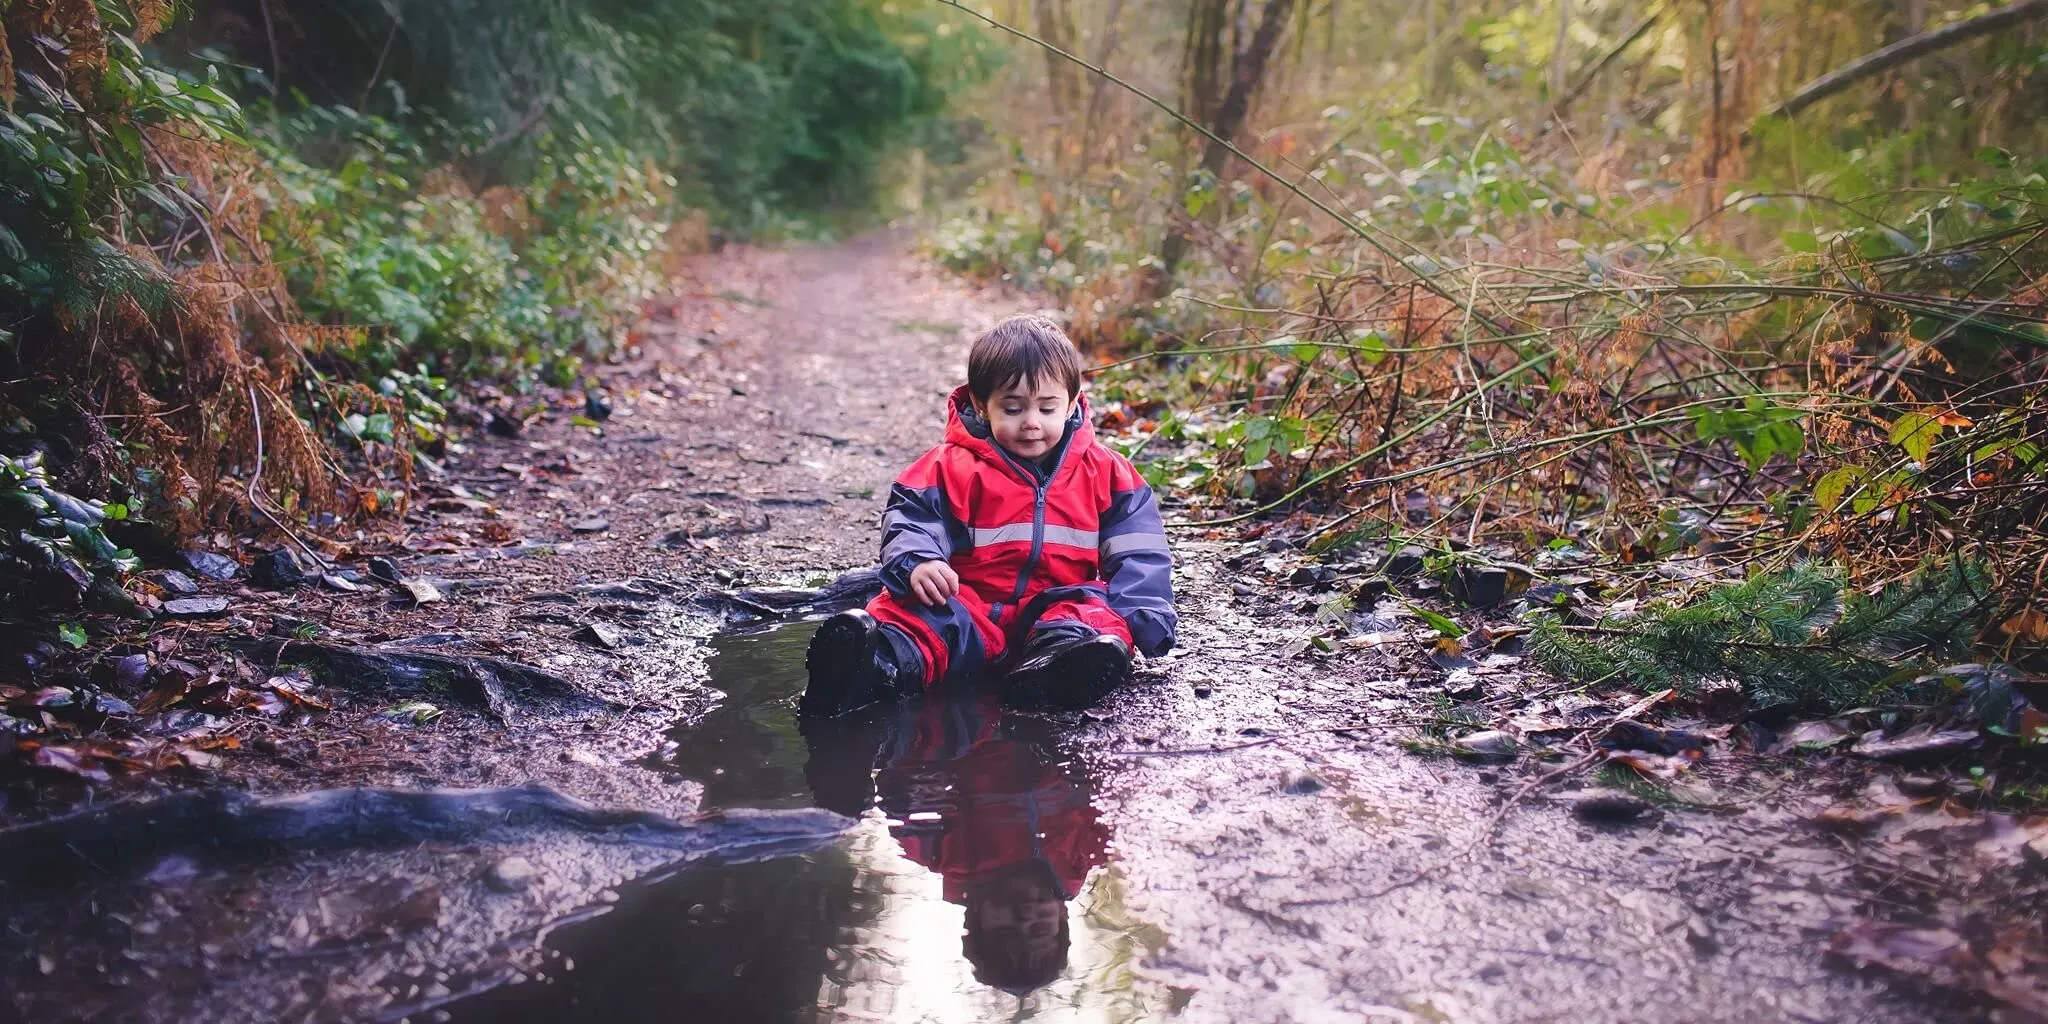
{"x": 1237, "y": 837}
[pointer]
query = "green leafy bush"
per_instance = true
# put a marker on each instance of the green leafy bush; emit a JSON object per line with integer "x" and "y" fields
{"x": 441, "y": 282}
{"x": 53, "y": 548}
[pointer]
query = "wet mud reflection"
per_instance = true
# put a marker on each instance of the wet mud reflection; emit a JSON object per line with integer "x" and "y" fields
{"x": 977, "y": 888}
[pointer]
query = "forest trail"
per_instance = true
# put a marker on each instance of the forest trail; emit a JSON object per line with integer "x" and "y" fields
{"x": 1263, "y": 848}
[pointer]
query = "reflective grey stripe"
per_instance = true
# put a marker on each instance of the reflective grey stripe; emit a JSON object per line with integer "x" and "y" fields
{"x": 1065, "y": 535}
{"x": 1015, "y": 532}
{"x": 906, "y": 543}
{"x": 1133, "y": 542}
{"x": 1001, "y": 534}
{"x": 1069, "y": 536}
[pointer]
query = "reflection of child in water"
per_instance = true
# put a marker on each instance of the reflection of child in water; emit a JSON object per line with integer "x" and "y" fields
{"x": 1012, "y": 835}
{"x": 1017, "y": 927}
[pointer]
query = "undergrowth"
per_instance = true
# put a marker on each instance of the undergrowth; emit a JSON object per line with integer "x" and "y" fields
{"x": 1797, "y": 638}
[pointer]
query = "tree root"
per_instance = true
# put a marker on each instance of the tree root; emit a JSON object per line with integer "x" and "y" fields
{"x": 498, "y": 686}
{"x": 122, "y": 840}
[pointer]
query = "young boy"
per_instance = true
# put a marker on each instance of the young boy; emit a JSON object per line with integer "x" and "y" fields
{"x": 1020, "y": 544}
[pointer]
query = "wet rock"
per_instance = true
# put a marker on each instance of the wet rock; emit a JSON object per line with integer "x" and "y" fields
{"x": 511, "y": 874}
{"x": 384, "y": 570}
{"x": 175, "y": 583}
{"x": 336, "y": 581}
{"x": 598, "y": 634}
{"x": 106, "y": 705}
{"x": 502, "y": 425}
{"x": 1923, "y": 785}
{"x": 597, "y": 404}
{"x": 1491, "y": 745}
{"x": 1316, "y": 577}
{"x": 594, "y": 524}
{"x": 196, "y": 607}
{"x": 129, "y": 670}
{"x": 278, "y": 570}
{"x": 1631, "y": 735}
{"x": 1916, "y": 743}
{"x": 1303, "y": 784}
{"x": 1481, "y": 586}
{"x": 1612, "y": 807}
{"x": 1404, "y": 562}
{"x": 292, "y": 625}
{"x": 210, "y": 565}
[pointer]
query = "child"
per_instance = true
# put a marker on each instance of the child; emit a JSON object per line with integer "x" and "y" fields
{"x": 1019, "y": 544}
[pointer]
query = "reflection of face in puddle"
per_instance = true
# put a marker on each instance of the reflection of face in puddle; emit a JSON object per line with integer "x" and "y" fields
{"x": 988, "y": 803}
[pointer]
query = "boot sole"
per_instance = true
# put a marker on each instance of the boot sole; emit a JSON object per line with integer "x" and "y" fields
{"x": 1077, "y": 680}
{"x": 840, "y": 648}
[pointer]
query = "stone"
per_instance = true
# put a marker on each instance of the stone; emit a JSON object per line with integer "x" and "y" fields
{"x": 129, "y": 670}
{"x": 108, "y": 705}
{"x": 278, "y": 569}
{"x": 1302, "y": 785}
{"x": 336, "y": 581}
{"x": 1318, "y": 577}
{"x": 385, "y": 570}
{"x": 595, "y": 524}
{"x": 1405, "y": 562}
{"x": 598, "y": 634}
{"x": 210, "y": 565}
{"x": 1490, "y": 745}
{"x": 1481, "y": 586}
{"x": 175, "y": 583}
{"x": 511, "y": 874}
{"x": 597, "y": 404}
{"x": 1612, "y": 807}
{"x": 196, "y": 607}
{"x": 1916, "y": 743}
{"x": 504, "y": 426}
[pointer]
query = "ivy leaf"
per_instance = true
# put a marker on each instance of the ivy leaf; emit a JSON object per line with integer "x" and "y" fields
{"x": 1916, "y": 433}
{"x": 72, "y": 633}
{"x": 1372, "y": 345}
{"x": 1828, "y": 491}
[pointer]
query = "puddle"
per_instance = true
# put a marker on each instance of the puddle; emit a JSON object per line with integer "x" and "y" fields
{"x": 978, "y": 887}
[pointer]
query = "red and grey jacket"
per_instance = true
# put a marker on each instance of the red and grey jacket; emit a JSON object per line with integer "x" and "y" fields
{"x": 1013, "y": 530}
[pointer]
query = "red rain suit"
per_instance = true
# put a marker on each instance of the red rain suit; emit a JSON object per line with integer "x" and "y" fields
{"x": 1076, "y": 547}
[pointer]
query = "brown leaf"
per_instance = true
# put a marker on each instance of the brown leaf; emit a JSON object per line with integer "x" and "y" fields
{"x": 70, "y": 761}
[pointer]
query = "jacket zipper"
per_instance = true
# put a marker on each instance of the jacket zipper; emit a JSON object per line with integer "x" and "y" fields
{"x": 1037, "y": 522}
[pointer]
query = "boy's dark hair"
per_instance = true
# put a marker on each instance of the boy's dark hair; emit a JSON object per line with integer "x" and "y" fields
{"x": 1027, "y": 348}
{"x": 1006, "y": 957}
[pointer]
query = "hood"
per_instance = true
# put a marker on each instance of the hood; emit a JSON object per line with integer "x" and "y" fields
{"x": 966, "y": 428}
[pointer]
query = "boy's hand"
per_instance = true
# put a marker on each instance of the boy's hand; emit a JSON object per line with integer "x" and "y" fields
{"x": 934, "y": 583}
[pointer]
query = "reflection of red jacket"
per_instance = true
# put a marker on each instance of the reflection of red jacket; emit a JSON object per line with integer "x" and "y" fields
{"x": 1012, "y": 529}
{"x": 998, "y": 801}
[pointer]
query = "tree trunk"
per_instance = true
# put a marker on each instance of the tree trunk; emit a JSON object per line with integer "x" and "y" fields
{"x": 1249, "y": 69}
{"x": 1904, "y": 50}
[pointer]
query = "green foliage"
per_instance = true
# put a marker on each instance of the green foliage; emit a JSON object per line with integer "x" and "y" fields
{"x": 759, "y": 110}
{"x": 75, "y": 170}
{"x": 53, "y": 546}
{"x": 1758, "y": 429}
{"x": 437, "y": 289}
{"x": 1796, "y": 638}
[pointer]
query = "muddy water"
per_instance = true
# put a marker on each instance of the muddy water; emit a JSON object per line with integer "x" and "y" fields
{"x": 977, "y": 888}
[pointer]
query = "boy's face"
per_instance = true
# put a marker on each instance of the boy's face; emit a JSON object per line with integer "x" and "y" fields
{"x": 1027, "y": 418}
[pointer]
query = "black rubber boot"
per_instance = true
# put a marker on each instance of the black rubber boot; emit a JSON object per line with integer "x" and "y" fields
{"x": 851, "y": 665}
{"x": 1066, "y": 670}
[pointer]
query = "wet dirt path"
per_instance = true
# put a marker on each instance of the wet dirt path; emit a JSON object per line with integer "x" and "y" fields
{"x": 1323, "y": 876}
{"x": 1215, "y": 852}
